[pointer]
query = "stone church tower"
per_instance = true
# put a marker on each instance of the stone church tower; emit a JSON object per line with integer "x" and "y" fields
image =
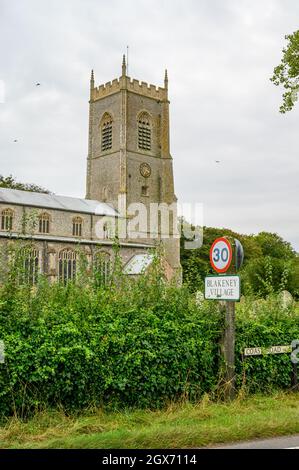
{"x": 129, "y": 157}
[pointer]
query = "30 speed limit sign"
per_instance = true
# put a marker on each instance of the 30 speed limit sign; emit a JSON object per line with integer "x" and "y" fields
{"x": 221, "y": 254}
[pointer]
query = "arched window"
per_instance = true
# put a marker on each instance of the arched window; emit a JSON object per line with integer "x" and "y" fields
{"x": 144, "y": 132}
{"x": 44, "y": 223}
{"x": 106, "y": 132}
{"x": 6, "y": 219}
{"x": 77, "y": 226}
{"x": 102, "y": 267}
{"x": 29, "y": 265}
{"x": 67, "y": 265}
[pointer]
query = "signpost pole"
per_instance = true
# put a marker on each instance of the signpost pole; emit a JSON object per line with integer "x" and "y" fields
{"x": 229, "y": 349}
{"x": 295, "y": 384}
{"x": 226, "y": 287}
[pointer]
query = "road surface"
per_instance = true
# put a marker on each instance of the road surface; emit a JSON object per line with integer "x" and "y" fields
{"x": 287, "y": 442}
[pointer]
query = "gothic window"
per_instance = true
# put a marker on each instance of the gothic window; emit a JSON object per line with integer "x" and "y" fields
{"x": 67, "y": 265}
{"x": 144, "y": 132}
{"x": 102, "y": 268}
{"x": 44, "y": 223}
{"x": 6, "y": 219}
{"x": 77, "y": 227}
{"x": 106, "y": 132}
{"x": 30, "y": 266}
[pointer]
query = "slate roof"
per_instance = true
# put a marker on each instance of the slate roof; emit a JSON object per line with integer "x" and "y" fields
{"x": 51, "y": 201}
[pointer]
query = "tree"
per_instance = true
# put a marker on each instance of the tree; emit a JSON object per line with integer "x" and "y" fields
{"x": 10, "y": 182}
{"x": 287, "y": 72}
{"x": 273, "y": 245}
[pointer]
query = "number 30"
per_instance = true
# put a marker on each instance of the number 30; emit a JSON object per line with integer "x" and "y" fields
{"x": 217, "y": 255}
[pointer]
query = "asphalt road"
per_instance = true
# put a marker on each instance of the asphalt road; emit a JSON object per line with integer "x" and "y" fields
{"x": 287, "y": 442}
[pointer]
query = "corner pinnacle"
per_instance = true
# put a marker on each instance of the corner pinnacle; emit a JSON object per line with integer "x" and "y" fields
{"x": 124, "y": 66}
{"x": 166, "y": 79}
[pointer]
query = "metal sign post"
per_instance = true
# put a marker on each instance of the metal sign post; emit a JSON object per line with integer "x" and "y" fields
{"x": 229, "y": 350}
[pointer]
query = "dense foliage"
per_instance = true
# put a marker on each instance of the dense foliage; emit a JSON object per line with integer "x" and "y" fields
{"x": 287, "y": 72}
{"x": 264, "y": 323}
{"x": 130, "y": 343}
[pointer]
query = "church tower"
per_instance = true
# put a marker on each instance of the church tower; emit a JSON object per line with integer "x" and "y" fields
{"x": 129, "y": 157}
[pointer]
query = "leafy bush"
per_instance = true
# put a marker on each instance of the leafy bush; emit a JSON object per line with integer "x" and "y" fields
{"x": 134, "y": 343}
{"x": 265, "y": 323}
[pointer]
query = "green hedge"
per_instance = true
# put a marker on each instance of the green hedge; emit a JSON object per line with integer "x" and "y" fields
{"x": 133, "y": 345}
{"x": 78, "y": 346}
{"x": 265, "y": 323}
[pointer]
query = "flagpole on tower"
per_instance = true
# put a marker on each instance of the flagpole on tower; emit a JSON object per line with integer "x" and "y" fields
{"x": 127, "y": 60}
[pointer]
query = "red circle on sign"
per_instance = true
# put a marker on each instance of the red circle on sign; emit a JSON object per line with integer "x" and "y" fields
{"x": 230, "y": 255}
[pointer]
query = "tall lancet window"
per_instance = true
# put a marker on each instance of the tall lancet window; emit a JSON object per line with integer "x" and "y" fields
{"x": 106, "y": 132}
{"x": 67, "y": 265}
{"x": 44, "y": 223}
{"x": 144, "y": 132}
{"x": 6, "y": 219}
{"x": 77, "y": 227}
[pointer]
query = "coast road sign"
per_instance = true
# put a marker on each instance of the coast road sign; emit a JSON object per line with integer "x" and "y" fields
{"x": 221, "y": 254}
{"x": 222, "y": 288}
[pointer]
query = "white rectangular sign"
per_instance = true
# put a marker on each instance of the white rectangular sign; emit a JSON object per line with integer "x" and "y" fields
{"x": 222, "y": 287}
{"x": 271, "y": 350}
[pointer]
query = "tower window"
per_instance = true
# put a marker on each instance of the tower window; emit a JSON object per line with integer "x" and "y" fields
{"x": 106, "y": 129}
{"x": 44, "y": 223}
{"x": 144, "y": 190}
{"x": 77, "y": 227}
{"x": 144, "y": 132}
{"x": 6, "y": 219}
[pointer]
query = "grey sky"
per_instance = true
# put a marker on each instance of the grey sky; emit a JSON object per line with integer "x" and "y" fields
{"x": 219, "y": 54}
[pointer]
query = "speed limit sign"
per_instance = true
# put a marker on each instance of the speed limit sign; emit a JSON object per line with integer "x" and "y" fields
{"x": 221, "y": 254}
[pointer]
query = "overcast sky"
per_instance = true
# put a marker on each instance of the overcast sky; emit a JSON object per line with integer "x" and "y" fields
{"x": 220, "y": 55}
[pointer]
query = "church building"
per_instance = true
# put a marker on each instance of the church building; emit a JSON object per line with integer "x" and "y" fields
{"x": 129, "y": 166}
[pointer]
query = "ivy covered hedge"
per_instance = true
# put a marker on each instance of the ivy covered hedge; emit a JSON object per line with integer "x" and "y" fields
{"x": 265, "y": 323}
{"x": 78, "y": 346}
{"x": 129, "y": 344}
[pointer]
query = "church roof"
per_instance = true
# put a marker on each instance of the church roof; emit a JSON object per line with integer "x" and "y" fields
{"x": 51, "y": 201}
{"x": 138, "y": 263}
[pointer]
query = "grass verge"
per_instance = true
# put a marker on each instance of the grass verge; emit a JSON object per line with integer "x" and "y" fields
{"x": 178, "y": 426}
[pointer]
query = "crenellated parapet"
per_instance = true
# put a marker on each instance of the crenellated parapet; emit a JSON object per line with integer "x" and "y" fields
{"x": 105, "y": 90}
{"x": 133, "y": 85}
{"x": 145, "y": 89}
